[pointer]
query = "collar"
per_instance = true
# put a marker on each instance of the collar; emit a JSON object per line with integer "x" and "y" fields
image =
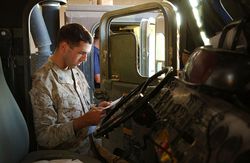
{"x": 63, "y": 76}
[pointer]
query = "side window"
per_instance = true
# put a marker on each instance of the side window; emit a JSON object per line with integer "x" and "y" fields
{"x": 152, "y": 46}
{"x": 159, "y": 43}
{"x": 146, "y": 59}
{"x": 148, "y": 28}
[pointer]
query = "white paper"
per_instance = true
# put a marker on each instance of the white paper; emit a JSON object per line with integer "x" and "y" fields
{"x": 113, "y": 103}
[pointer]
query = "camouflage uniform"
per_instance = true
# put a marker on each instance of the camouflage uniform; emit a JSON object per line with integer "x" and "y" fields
{"x": 57, "y": 99}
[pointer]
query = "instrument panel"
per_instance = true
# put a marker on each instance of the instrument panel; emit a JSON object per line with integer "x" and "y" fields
{"x": 189, "y": 125}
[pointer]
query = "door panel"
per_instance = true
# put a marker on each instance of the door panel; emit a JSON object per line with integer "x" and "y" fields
{"x": 124, "y": 52}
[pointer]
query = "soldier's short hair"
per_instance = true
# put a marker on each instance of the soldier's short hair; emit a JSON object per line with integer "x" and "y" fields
{"x": 72, "y": 34}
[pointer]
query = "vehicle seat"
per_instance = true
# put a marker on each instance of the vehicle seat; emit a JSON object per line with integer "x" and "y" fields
{"x": 14, "y": 134}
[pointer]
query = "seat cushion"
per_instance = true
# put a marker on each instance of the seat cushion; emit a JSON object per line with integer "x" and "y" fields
{"x": 59, "y": 161}
{"x": 57, "y": 155}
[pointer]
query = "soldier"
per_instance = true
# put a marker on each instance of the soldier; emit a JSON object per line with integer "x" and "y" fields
{"x": 60, "y": 96}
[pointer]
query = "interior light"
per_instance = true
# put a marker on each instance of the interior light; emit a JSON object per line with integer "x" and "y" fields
{"x": 197, "y": 17}
{"x": 194, "y": 3}
{"x": 178, "y": 15}
{"x": 178, "y": 18}
{"x": 175, "y": 8}
{"x": 204, "y": 38}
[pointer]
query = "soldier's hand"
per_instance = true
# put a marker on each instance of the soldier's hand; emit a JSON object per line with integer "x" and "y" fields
{"x": 92, "y": 117}
{"x": 104, "y": 103}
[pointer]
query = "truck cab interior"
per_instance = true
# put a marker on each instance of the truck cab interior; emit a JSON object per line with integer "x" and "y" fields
{"x": 170, "y": 111}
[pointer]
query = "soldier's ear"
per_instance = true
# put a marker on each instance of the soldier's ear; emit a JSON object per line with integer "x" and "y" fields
{"x": 63, "y": 46}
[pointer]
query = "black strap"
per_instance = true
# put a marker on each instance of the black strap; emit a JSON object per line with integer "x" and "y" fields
{"x": 225, "y": 31}
{"x": 239, "y": 29}
{"x": 74, "y": 80}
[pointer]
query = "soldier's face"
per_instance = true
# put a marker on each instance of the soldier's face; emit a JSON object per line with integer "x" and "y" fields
{"x": 76, "y": 55}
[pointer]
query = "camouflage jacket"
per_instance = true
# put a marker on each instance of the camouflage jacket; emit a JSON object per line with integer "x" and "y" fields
{"x": 59, "y": 96}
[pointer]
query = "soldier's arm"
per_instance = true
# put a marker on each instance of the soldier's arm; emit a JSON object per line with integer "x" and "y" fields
{"x": 49, "y": 132}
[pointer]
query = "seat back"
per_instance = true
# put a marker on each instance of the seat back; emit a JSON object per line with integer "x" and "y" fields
{"x": 14, "y": 136}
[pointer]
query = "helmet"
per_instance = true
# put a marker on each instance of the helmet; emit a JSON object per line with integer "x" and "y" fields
{"x": 218, "y": 68}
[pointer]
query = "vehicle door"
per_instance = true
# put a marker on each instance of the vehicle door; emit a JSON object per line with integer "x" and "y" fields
{"x": 145, "y": 42}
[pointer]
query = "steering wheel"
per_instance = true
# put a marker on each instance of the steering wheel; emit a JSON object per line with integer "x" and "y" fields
{"x": 129, "y": 104}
